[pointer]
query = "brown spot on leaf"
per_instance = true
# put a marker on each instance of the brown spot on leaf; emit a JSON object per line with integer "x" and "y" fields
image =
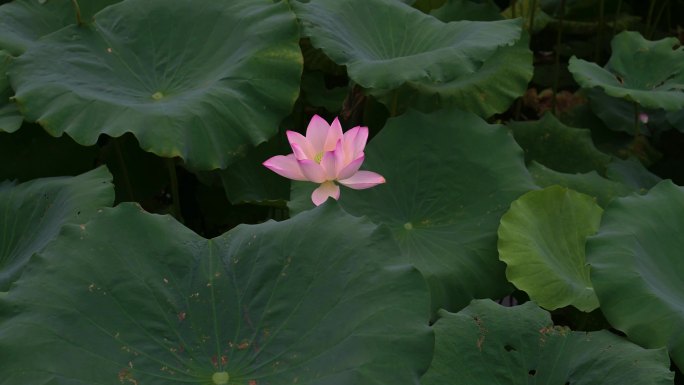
{"x": 482, "y": 331}
{"x": 126, "y": 376}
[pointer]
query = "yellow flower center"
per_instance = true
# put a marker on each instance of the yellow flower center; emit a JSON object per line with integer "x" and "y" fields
{"x": 318, "y": 157}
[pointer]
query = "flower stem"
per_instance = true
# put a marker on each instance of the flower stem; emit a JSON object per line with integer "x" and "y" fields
{"x": 124, "y": 170}
{"x": 559, "y": 38}
{"x": 175, "y": 195}
{"x": 77, "y": 9}
{"x": 617, "y": 16}
{"x": 530, "y": 24}
{"x": 395, "y": 101}
{"x": 657, "y": 19}
{"x": 637, "y": 130}
{"x": 513, "y": 4}
{"x": 599, "y": 34}
{"x": 649, "y": 18}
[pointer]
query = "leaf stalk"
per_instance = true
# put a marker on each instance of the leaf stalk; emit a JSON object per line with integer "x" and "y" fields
{"x": 77, "y": 9}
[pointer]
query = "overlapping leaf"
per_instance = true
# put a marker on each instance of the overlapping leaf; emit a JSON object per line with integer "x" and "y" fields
{"x": 618, "y": 114}
{"x": 23, "y": 22}
{"x": 632, "y": 174}
{"x": 559, "y": 147}
{"x": 542, "y": 238}
{"x": 488, "y": 344}
{"x": 637, "y": 269}
{"x": 650, "y": 73}
{"x": 489, "y": 89}
{"x": 323, "y": 298}
{"x": 591, "y": 183}
{"x": 406, "y": 46}
{"x": 33, "y": 213}
{"x": 202, "y": 80}
{"x": 450, "y": 176}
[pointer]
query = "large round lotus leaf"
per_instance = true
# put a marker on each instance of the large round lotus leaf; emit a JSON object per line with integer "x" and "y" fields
{"x": 34, "y": 212}
{"x": 650, "y": 73}
{"x": 450, "y": 176}
{"x": 10, "y": 118}
{"x": 559, "y": 147}
{"x": 638, "y": 270}
{"x": 487, "y": 344}
{"x": 541, "y": 239}
{"x": 202, "y": 80}
{"x": 487, "y": 89}
{"x": 131, "y": 297}
{"x": 403, "y": 45}
{"x": 591, "y": 183}
{"x": 22, "y": 22}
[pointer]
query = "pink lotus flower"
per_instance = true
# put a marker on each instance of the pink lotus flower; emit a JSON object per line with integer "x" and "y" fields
{"x": 325, "y": 156}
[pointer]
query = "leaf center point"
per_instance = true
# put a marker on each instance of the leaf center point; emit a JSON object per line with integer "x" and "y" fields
{"x": 220, "y": 378}
{"x": 157, "y": 95}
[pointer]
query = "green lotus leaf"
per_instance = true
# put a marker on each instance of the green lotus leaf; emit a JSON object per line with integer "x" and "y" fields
{"x": 637, "y": 269}
{"x": 488, "y": 344}
{"x": 205, "y": 103}
{"x": 490, "y": 89}
{"x": 559, "y": 147}
{"x": 404, "y": 45}
{"x": 23, "y": 22}
{"x": 618, "y": 114}
{"x": 450, "y": 176}
{"x": 457, "y": 10}
{"x": 631, "y": 173}
{"x": 541, "y": 240}
{"x": 130, "y": 297}
{"x": 34, "y": 212}
{"x": 591, "y": 183}
{"x": 10, "y": 118}
{"x": 650, "y": 73}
